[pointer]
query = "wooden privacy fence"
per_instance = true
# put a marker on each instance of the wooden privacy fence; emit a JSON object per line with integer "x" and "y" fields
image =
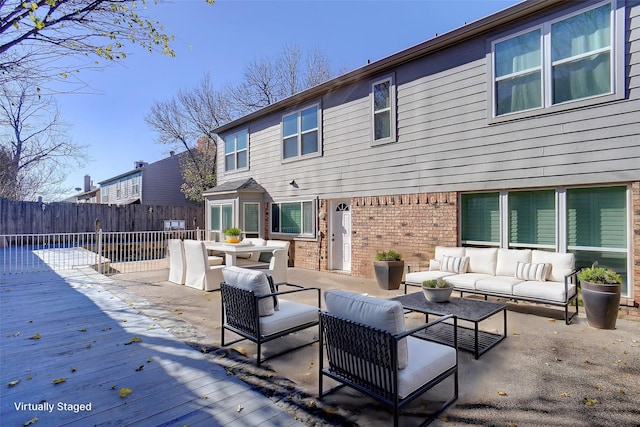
{"x": 61, "y": 217}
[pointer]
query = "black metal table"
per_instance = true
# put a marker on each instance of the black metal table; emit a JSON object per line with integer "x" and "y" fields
{"x": 472, "y": 310}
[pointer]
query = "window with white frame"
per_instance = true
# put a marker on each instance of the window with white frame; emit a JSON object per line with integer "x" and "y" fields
{"x": 251, "y": 219}
{"x": 590, "y": 222}
{"x": 301, "y": 133}
{"x": 293, "y": 218}
{"x": 221, "y": 216}
{"x": 236, "y": 151}
{"x": 383, "y": 111}
{"x": 135, "y": 185}
{"x": 560, "y": 61}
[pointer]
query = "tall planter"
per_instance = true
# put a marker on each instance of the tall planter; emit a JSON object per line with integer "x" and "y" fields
{"x": 601, "y": 303}
{"x": 389, "y": 273}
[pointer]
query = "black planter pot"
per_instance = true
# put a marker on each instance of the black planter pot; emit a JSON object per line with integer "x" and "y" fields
{"x": 389, "y": 273}
{"x": 601, "y": 303}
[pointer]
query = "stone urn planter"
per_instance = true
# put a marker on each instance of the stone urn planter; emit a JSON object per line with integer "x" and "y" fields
{"x": 437, "y": 290}
{"x": 601, "y": 296}
{"x": 389, "y": 269}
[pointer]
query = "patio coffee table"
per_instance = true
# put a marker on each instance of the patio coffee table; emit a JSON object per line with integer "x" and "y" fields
{"x": 470, "y": 339}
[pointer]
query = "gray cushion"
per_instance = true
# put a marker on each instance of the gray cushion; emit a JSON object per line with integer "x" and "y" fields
{"x": 252, "y": 280}
{"x": 375, "y": 312}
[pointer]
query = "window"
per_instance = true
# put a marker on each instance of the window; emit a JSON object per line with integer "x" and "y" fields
{"x": 135, "y": 188}
{"x": 383, "y": 111}
{"x": 236, "y": 151}
{"x": 297, "y": 218}
{"x": 480, "y": 218}
{"x": 560, "y": 61}
{"x": 300, "y": 133}
{"x": 532, "y": 219}
{"x": 597, "y": 228}
{"x": 251, "y": 219}
{"x": 590, "y": 222}
{"x": 221, "y": 217}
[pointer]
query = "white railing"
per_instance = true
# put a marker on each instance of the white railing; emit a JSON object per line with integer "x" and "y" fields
{"x": 107, "y": 252}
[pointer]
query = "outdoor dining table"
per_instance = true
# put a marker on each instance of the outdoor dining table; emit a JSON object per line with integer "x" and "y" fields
{"x": 231, "y": 250}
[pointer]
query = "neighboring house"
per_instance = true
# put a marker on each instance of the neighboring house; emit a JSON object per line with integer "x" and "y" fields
{"x": 89, "y": 194}
{"x": 155, "y": 183}
{"x": 519, "y": 130}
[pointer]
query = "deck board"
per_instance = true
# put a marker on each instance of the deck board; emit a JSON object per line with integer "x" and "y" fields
{"x": 82, "y": 338}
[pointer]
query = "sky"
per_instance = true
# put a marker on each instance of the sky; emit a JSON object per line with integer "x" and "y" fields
{"x": 221, "y": 40}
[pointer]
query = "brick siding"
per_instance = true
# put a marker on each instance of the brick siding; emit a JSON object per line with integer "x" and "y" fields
{"x": 411, "y": 224}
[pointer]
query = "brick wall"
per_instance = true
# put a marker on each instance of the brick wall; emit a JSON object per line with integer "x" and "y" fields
{"x": 410, "y": 224}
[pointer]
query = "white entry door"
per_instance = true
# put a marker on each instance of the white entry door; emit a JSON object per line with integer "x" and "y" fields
{"x": 341, "y": 236}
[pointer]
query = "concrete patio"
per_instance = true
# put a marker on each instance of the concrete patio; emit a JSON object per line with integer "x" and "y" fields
{"x": 544, "y": 373}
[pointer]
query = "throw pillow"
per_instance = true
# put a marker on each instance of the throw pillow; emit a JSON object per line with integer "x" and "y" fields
{"x": 453, "y": 264}
{"x": 274, "y": 289}
{"x": 532, "y": 271}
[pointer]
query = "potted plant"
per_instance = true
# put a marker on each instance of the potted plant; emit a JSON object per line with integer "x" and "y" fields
{"x": 437, "y": 290}
{"x": 233, "y": 234}
{"x": 389, "y": 268}
{"x": 601, "y": 295}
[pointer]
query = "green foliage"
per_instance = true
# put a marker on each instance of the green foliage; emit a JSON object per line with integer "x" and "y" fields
{"x": 388, "y": 256}
{"x": 599, "y": 275}
{"x": 233, "y": 231}
{"x": 432, "y": 284}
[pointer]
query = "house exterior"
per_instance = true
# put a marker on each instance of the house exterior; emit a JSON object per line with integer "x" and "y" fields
{"x": 90, "y": 193}
{"x": 156, "y": 183}
{"x": 519, "y": 130}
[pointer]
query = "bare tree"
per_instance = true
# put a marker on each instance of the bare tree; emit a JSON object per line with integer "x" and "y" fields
{"x": 187, "y": 121}
{"x": 35, "y": 34}
{"x": 35, "y": 149}
{"x": 267, "y": 81}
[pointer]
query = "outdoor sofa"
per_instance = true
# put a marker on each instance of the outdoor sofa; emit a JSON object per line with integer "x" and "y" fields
{"x": 518, "y": 274}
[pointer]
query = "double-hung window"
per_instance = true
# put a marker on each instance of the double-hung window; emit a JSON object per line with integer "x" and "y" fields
{"x": 293, "y": 218}
{"x": 383, "y": 111}
{"x": 301, "y": 133}
{"x": 236, "y": 151}
{"x": 560, "y": 61}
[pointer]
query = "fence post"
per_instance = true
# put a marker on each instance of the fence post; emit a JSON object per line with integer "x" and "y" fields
{"x": 100, "y": 251}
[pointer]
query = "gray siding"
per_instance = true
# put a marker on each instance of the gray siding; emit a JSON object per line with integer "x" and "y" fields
{"x": 446, "y": 140}
{"x": 161, "y": 183}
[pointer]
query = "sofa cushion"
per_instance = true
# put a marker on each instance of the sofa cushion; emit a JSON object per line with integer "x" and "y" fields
{"x": 562, "y": 264}
{"x": 427, "y": 360}
{"x": 550, "y": 291}
{"x": 482, "y": 260}
{"x": 531, "y": 271}
{"x": 449, "y": 251}
{"x": 466, "y": 281}
{"x": 420, "y": 276}
{"x": 508, "y": 260}
{"x": 252, "y": 280}
{"x": 497, "y": 284}
{"x": 291, "y": 314}
{"x": 452, "y": 264}
{"x": 378, "y": 313}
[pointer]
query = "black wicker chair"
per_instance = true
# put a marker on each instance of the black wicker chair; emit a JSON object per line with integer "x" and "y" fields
{"x": 241, "y": 315}
{"x": 366, "y": 359}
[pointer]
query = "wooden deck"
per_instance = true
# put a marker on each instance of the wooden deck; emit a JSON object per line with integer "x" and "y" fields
{"x": 65, "y": 325}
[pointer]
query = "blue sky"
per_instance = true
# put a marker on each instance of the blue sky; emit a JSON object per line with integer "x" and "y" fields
{"x": 223, "y": 38}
